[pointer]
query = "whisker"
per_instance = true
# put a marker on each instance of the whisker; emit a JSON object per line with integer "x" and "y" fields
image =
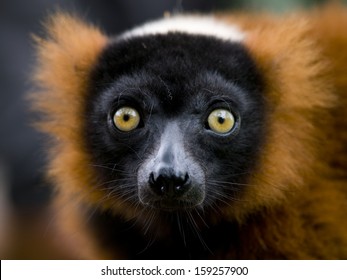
{"x": 181, "y": 228}
{"x": 201, "y": 218}
{"x": 195, "y": 228}
{"x": 112, "y": 168}
{"x": 117, "y": 180}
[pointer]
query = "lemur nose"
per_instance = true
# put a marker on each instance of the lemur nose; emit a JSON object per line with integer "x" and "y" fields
{"x": 167, "y": 183}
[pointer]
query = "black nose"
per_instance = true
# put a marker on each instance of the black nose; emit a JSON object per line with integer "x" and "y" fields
{"x": 169, "y": 184}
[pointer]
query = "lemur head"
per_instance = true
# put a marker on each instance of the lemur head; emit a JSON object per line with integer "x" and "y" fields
{"x": 183, "y": 114}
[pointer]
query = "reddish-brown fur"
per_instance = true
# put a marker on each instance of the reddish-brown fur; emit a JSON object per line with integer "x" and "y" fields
{"x": 296, "y": 204}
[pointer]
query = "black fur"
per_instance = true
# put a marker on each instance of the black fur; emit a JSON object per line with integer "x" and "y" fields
{"x": 178, "y": 79}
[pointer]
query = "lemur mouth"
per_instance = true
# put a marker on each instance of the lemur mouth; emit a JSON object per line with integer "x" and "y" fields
{"x": 170, "y": 205}
{"x": 172, "y": 197}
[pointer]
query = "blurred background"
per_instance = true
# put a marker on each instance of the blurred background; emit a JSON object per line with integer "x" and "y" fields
{"x": 24, "y": 194}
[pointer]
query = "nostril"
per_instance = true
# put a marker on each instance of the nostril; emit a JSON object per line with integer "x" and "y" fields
{"x": 181, "y": 185}
{"x": 186, "y": 179}
{"x": 151, "y": 180}
{"x": 170, "y": 185}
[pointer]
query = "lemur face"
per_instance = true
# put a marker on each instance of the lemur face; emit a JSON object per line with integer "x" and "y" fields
{"x": 174, "y": 121}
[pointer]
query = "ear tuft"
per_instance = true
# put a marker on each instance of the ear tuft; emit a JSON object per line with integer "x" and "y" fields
{"x": 65, "y": 59}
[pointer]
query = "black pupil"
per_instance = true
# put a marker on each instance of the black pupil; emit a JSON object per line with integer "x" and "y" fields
{"x": 126, "y": 117}
{"x": 221, "y": 120}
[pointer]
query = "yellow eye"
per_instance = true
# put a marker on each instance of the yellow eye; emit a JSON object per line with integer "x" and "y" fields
{"x": 126, "y": 119}
{"x": 221, "y": 121}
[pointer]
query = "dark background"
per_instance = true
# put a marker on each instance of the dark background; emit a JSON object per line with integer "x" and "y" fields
{"x": 24, "y": 195}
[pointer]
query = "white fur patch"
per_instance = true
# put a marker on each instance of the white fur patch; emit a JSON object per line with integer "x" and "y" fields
{"x": 198, "y": 25}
